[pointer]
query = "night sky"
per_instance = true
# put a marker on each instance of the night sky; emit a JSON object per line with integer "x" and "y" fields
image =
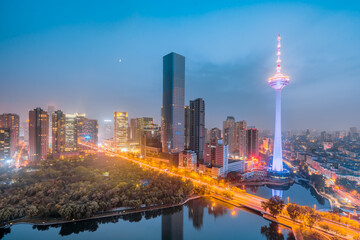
{"x": 66, "y": 53}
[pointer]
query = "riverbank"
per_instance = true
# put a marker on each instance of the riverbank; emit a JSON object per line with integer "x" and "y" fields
{"x": 110, "y": 213}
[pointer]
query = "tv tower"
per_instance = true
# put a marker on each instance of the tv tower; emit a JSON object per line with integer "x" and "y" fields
{"x": 278, "y": 82}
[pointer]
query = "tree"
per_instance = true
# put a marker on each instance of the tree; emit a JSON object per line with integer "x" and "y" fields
{"x": 274, "y": 204}
{"x": 294, "y": 211}
{"x": 310, "y": 216}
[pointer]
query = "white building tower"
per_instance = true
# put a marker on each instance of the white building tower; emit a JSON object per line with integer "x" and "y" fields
{"x": 278, "y": 82}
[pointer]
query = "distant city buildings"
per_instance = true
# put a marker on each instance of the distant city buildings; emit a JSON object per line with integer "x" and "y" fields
{"x": 12, "y": 122}
{"x": 38, "y": 134}
{"x": 121, "y": 129}
{"x": 172, "y": 112}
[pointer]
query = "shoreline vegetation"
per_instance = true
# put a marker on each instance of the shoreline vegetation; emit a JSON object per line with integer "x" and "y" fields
{"x": 78, "y": 188}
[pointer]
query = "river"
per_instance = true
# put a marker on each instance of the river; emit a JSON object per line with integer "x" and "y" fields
{"x": 198, "y": 219}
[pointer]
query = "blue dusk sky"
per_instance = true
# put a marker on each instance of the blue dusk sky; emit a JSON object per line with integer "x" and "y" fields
{"x": 66, "y": 53}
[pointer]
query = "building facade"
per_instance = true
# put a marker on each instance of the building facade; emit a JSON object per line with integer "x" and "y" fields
{"x": 38, "y": 134}
{"x": 252, "y": 137}
{"x": 58, "y": 132}
{"x": 172, "y": 112}
{"x": 197, "y": 127}
{"x": 121, "y": 129}
{"x": 11, "y": 121}
{"x": 229, "y": 133}
{"x": 5, "y": 144}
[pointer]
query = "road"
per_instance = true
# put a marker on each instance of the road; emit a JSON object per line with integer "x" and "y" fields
{"x": 243, "y": 199}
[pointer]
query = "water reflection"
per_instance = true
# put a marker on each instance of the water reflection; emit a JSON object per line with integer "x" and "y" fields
{"x": 300, "y": 192}
{"x": 171, "y": 225}
{"x": 273, "y": 232}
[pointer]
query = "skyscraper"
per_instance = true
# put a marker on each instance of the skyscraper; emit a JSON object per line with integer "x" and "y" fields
{"x": 241, "y": 137}
{"x": 187, "y": 128}
{"x": 252, "y": 136}
{"x": 278, "y": 82}
{"x": 11, "y": 121}
{"x": 58, "y": 132}
{"x": 4, "y": 144}
{"x": 38, "y": 134}
{"x": 120, "y": 129}
{"x": 172, "y": 112}
{"x": 229, "y": 133}
{"x": 73, "y": 122}
{"x": 197, "y": 127}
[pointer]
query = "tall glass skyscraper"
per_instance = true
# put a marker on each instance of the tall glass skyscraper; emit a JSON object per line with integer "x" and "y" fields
{"x": 172, "y": 111}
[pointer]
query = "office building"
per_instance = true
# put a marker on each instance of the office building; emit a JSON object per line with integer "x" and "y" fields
{"x": 38, "y": 134}
{"x": 121, "y": 129}
{"x": 197, "y": 127}
{"x": 11, "y": 121}
{"x": 73, "y": 123}
{"x": 252, "y": 142}
{"x": 172, "y": 112}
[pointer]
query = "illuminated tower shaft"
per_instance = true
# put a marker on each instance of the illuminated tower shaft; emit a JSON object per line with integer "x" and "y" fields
{"x": 278, "y": 82}
{"x": 277, "y": 155}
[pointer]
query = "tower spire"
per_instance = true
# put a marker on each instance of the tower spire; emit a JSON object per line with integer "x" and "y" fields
{"x": 278, "y": 61}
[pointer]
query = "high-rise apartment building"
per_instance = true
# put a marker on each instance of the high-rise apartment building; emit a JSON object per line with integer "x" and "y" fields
{"x": 229, "y": 133}
{"x": 5, "y": 144}
{"x": 38, "y": 134}
{"x": 120, "y": 129}
{"x": 187, "y": 128}
{"x": 11, "y": 121}
{"x": 50, "y": 111}
{"x": 197, "y": 127}
{"x": 241, "y": 138}
{"x": 58, "y": 132}
{"x": 252, "y": 136}
{"x": 172, "y": 112}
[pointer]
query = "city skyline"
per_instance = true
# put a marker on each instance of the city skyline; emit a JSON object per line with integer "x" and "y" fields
{"x": 86, "y": 62}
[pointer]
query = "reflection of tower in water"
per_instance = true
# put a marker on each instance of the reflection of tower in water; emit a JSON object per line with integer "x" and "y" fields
{"x": 172, "y": 226}
{"x": 277, "y": 192}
